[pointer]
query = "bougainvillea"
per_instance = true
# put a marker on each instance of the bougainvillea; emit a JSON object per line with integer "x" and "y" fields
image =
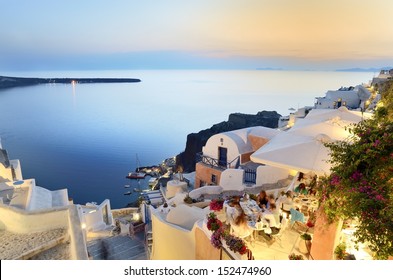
{"x": 221, "y": 232}
{"x": 216, "y": 204}
{"x": 361, "y": 182}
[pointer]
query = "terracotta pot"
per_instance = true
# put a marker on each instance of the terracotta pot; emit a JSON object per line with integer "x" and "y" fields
{"x": 305, "y": 246}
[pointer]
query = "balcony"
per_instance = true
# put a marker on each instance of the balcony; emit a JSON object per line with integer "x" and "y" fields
{"x": 216, "y": 163}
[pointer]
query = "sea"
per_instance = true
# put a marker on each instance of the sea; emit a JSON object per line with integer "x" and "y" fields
{"x": 87, "y": 137}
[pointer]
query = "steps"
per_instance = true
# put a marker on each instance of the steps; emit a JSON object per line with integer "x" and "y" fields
{"x": 119, "y": 247}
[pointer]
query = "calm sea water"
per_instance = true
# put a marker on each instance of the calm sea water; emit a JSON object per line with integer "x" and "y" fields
{"x": 86, "y": 137}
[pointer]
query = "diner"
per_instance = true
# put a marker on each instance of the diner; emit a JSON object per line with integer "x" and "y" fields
{"x": 301, "y": 189}
{"x": 262, "y": 199}
{"x": 240, "y": 226}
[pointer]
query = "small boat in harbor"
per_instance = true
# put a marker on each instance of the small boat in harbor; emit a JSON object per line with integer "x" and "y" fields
{"x": 128, "y": 193}
{"x": 127, "y": 186}
{"x": 137, "y": 174}
{"x": 137, "y": 190}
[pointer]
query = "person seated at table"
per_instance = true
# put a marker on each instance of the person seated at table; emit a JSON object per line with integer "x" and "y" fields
{"x": 301, "y": 177}
{"x": 240, "y": 225}
{"x": 287, "y": 202}
{"x": 312, "y": 186}
{"x": 232, "y": 210}
{"x": 270, "y": 200}
{"x": 262, "y": 199}
{"x": 301, "y": 189}
{"x": 272, "y": 214}
{"x": 281, "y": 198}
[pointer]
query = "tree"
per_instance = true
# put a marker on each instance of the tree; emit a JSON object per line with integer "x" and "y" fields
{"x": 361, "y": 182}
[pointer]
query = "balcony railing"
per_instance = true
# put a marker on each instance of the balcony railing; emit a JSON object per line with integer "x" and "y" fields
{"x": 213, "y": 162}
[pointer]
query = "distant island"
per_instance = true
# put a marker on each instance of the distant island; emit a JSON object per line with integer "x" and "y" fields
{"x": 362, "y": 69}
{"x": 10, "y": 82}
{"x": 270, "y": 69}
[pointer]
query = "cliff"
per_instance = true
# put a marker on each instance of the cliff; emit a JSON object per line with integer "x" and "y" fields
{"x": 195, "y": 141}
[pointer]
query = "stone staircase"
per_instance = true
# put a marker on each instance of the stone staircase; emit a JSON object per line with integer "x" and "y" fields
{"x": 119, "y": 247}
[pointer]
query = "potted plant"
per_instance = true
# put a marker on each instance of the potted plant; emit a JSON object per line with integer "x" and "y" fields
{"x": 340, "y": 252}
{"x": 216, "y": 204}
{"x": 188, "y": 199}
{"x": 305, "y": 247}
{"x": 306, "y": 237}
{"x": 295, "y": 257}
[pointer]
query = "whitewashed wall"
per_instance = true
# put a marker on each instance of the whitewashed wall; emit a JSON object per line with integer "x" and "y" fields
{"x": 211, "y": 147}
{"x": 269, "y": 174}
{"x": 171, "y": 242}
{"x": 232, "y": 179}
{"x": 21, "y": 221}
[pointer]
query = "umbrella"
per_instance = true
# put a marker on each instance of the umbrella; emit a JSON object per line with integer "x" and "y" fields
{"x": 341, "y": 113}
{"x": 304, "y": 153}
{"x": 332, "y": 122}
{"x": 335, "y": 129}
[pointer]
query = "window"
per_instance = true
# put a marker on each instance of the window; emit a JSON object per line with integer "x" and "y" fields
{"x": 214, "y": 179}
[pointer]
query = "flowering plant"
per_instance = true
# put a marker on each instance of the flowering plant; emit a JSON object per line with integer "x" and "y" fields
{"x": 216, "y": 238}
{"x": 220, "y": 232}
{"x": 213, "y": 223}
{"x": 188, "y": 199}
{"x": 361, "y": 180}
{"x": 236, "y": 244}
{"x": 293, "y": 256}
{"x": 310, "y": 224}
{"x": 216, "y": 204}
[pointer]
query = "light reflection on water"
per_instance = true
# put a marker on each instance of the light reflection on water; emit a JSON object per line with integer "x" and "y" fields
{"x": 85, "y": 136}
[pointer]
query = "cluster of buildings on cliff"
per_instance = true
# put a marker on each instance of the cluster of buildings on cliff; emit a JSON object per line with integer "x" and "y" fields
{"x": 235, "y": 163}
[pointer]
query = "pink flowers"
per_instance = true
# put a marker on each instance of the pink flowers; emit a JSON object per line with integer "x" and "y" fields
{"x": 335, "y": 181}
{"x": 356, "y": 176}
{"x": 376, "y": 143}
{"x": 216, "y": 204}
{"x": 219, "y": 232}
{"x": 216, "y": 239}
{"x": 213, "y": 223}
{"x": 309, "y": 224}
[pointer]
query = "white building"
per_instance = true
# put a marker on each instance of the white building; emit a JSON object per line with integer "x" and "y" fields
{"x": 227, "y": 155}
{"x": 351, "y": 97}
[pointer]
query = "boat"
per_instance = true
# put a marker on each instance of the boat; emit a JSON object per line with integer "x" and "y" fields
{"x": 153, "y": 181}
{"x": 137, "y": 190}
{"x": 128, "y": 193}
{"x": 127, "y": 186}
{"x": 136, "y": 174}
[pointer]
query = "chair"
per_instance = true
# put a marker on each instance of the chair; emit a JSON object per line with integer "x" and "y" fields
{"x": 261, "y": 226}
{"x": 296, "y": 216}
{"x": 282, "y": 228}
{"x": 286, "y": 208}
{"x": 243, "y": 232}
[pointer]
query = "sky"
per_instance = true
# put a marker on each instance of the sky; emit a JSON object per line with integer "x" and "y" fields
{"x": 211, "y": 34}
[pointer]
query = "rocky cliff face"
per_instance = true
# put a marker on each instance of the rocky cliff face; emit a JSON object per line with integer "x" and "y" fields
{"x": 195, "y": 141}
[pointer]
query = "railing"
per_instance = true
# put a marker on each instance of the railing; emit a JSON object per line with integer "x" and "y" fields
{"x": 213, "y": 162}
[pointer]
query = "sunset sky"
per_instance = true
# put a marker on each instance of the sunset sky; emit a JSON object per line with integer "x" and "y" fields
{"x": 246, "y": 34}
